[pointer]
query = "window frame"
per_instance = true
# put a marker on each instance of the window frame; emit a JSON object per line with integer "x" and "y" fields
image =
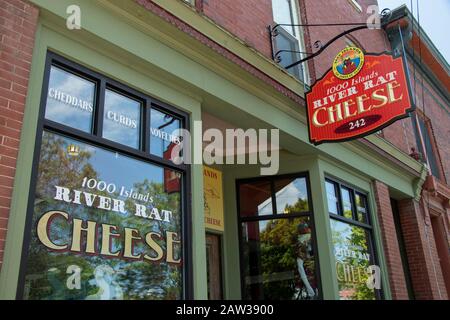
{"x": 339, "y": 184}
{"x": 95, "y": 139}
{"x": 356, "y": 5}
{"x": 275, "y": 216}
{"x": 420, "y": 136}
{"x": 300, "y": 72}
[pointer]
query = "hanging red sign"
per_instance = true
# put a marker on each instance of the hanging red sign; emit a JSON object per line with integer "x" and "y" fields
{"x": 359, "y": 95}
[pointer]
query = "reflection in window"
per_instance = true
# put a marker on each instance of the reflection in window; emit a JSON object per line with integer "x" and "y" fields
{"x": 428, "y": 140}
{"x": 122, "y": 119}
{"x": 352, "y": 254}
{"x": 279, "y": 260}
{"x": 347, "y": 203}
{"x": 361, "y": 207}
{"x": 117, "y": 230}
{"x": 291, "y": 195}
{"x": 256, "y": 199}
{"x": 70, "y": 99}
{"x": 277, "y": 249}
{"x": 163, "y": 136}
{"x": 351, "y": 234}
{"x": 333, "y": 206}
{"x": 283, "y": 14}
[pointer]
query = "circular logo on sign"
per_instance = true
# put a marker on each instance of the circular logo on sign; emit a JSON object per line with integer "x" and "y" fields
{"x": 348, "y": 63}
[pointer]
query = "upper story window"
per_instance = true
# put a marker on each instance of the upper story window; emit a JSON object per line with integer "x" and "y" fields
{"x": 351, "y": 41}
{"x": 356, "y": 5}
{"x": 289, "y": 37}
{"x": 431, "y": 150}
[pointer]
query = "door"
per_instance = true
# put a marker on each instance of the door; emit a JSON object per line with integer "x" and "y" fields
{"x": 213, "y": 266}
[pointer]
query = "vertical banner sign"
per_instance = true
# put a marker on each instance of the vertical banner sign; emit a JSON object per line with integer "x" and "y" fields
{"x": 213, "y": 198}
{"x": 359, "y": 95}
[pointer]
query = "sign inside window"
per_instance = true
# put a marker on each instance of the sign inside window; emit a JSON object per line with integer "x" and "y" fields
{"x": 103, "y": 226}
{"x": 351, "y": 250}
{"x": 122, "y": 119}
{"x": 70, "y": 99}
{"x": 163, "y": 135}
{"x": 359, "y": 95}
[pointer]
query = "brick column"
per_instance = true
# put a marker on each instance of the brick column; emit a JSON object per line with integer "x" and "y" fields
{"x": 18, "y": 23}
{"x": 426, "y": 273}
{"x": 390, "y": 242}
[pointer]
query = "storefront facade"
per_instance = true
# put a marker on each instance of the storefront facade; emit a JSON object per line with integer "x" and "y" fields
{"x": 96, "y": 202}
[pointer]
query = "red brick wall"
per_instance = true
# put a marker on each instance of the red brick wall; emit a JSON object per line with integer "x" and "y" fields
{"x": 340, "y": 11}
{"x": 390, "y": 242}
{"x": 248, "y": 20}
{"x": 18, "y": 22}
{"x": 426, "y": 274}
{"x": 437, "y": 110}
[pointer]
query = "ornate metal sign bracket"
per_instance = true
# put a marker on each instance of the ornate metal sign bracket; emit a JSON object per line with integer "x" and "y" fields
{"x": 273, "y": 33}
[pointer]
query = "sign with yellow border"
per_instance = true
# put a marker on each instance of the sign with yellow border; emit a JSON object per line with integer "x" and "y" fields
{"x": 213, "y": 198}
{"x": 348, "y": 63}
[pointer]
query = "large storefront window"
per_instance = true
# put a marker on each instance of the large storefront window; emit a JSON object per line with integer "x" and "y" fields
{"x": 278, "y": 256}
{"x": 105, "y": 223}
{"x": 352, "y": 242}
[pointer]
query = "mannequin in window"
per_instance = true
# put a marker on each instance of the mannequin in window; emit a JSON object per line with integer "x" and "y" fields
{"x": 304, "y": 252}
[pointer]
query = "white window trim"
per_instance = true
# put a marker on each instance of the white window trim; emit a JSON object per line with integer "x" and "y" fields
{"x": 299, "y": 36}
{"x": 190, "y": 2}
{"x": 356, "y": 5}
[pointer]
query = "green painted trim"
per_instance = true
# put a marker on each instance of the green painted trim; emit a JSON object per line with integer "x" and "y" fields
{"x": 379, "y": 245}
{"x": 327, "y": 261}
{"x": 67, "y": 46}
{"x": 418, "y": 183}
{"x": 365, "y": 184}
{"x": 137, "y": 59}
{"x": 395, "y": 152}
{"x": 234, "y": 44}
{"x": 360, "y": 160}
{"x": 13, "y": 246}
{"x": 190, "y": 77}
{"x": 289, "y": 163}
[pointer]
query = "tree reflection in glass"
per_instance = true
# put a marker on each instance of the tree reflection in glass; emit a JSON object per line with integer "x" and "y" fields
{"x": 279, "y": 259}
{"x": 53, "y": 274}
{"x": 351, "y": 249}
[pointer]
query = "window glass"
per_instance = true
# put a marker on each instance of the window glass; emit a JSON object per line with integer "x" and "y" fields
{"x": 163, "y": 135}
{"x": 291, "y": 195}
{"x": 255, "y": 199}
{"x": 361, "y": 207}
{"x": 70, "y": 99}
{"x": 432, "y": 160}
{"x": 352, "y": 254}
{"x": 332, "y": 198}
{"x": 279, "y": 260}
{"x": 284, "y": 41}
{"x": 283, "y": 14}
{"x": 122, "y": 119}
{"x": 104, "y": 226}
{"x": 347, "y": 203}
